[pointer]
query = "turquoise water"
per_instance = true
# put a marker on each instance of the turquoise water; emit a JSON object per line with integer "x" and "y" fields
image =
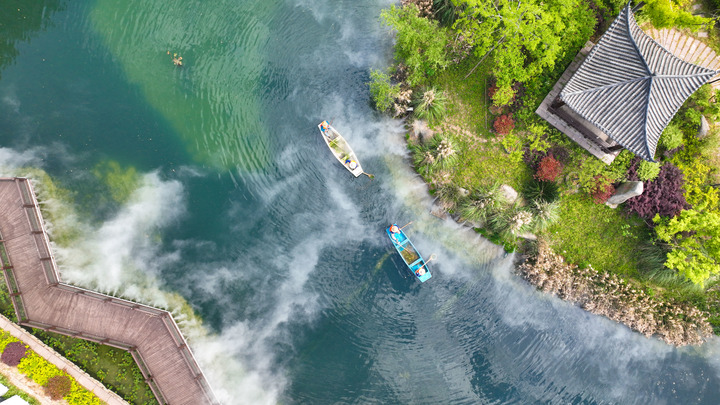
{"x": 224, "y": 193}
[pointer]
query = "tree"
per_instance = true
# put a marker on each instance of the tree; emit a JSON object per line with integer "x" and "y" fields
{"x": 668, "y": 14}
{"x": 383, "y": 92}
{"x": 525, "y": 37}
{"x": 420, "y": 43}
{"x": 695, "y": 240}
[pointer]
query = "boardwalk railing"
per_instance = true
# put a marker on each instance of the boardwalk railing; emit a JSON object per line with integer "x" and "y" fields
{"x": 34, "y": 218}
{"x": 11, "y": 282}
{"x": 32, "y": 211}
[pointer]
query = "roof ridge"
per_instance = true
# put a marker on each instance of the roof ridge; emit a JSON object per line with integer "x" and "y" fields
{"x": 605, "y": 87}
{"x": 632, "y": 38}
{"x": 651, "y": 154}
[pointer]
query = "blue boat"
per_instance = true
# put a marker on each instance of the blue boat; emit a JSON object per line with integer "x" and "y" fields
{"x": 416, "y": 264}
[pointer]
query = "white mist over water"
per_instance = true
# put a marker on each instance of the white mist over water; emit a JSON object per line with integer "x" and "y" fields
{"x": 474, "y": 327}
{"x": 123, "y": 250}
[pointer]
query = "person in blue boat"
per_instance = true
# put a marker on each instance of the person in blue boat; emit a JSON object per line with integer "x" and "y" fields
{"x": 394, "y": 231}
{"x": 420, "y": 272}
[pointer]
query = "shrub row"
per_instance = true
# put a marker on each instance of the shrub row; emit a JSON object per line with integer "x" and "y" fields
{"x": 57, "y": 383}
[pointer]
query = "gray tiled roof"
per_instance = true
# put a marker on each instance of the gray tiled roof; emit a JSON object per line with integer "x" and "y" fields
{"x": 630, "y": 86}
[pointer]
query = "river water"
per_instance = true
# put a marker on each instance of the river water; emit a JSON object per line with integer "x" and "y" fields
{"x": 238, "y": 207}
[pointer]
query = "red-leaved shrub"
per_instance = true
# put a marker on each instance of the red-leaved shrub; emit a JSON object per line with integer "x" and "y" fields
{"x": 58, "y": 386}
{"x": 601, "y": 190}
{"x": 548, "y": 169}
{"x": 13, "y": 353}
{"x": 492, "y": 90}
{"x": 663, "y": 196}
{"x": 504, "y": 124}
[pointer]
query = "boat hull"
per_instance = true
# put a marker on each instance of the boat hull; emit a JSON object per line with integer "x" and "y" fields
{"x": 409, "y": 254}
{"x": 341, "y": 149}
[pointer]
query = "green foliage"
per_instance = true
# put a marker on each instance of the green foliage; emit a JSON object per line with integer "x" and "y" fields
{"x": 114, "y": 367}
{"x": 669, "y": 14}
{"x": 435, "y": 154}
{"x": 695, "y": 240}
{"x": 546, "y": 214}
{"x": 672, "y": 137}
{"x": 705, "y": 99}
{"x": 80, "y": 396}
{"x": 423, "y": 160}
{"x": 483, "y": 202}
{"x": 541, "y": 191}
{"x": 648, "y": 170}
{"x": 526, "y": 37}
{"x": 537, "y": 140}
{"x": 513, "y": 146}
{"x": 382, "y": 91}
{"x": 420, "y": 43}
{"x": 5, "y": 339}
{"x": 702, "y": 102}
{"x": 504, "y": 95}
{"x": 445, "y": 11}
{"x": 511, "y": 222}
{"x": 698, "y": 193}
{"x": 591, "y": 169}
{"x": 431, "y": 105}
{"x": 37, "y": 368}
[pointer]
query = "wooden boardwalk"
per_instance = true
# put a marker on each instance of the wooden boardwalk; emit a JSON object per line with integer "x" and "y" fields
{"x": 42, "y": 301}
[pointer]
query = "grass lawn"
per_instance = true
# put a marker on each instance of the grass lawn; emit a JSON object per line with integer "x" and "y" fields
{"x": 595, "y": 234}
{"x": 115, "y": 368}
{"x": 482, "y": 158}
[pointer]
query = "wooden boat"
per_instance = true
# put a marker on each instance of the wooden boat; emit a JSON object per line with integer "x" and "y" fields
{"x": 415, "y": 263}
{"x": 340, "y": 148}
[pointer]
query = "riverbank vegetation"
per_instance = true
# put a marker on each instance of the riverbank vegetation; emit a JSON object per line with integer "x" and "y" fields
{"x": 477, "y": 77}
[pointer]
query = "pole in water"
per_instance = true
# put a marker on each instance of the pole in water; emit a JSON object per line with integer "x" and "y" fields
{"x": 369, "y": 175}
{"x": 432, "y": 257}
{"x": 406, "y": 225}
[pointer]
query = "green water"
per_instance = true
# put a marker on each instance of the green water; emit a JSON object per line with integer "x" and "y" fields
{"x": 212, "y": 101}
{"x": 210, "y": 183}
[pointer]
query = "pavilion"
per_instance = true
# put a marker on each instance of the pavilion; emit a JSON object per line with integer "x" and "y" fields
{"x": 623, "y": 94}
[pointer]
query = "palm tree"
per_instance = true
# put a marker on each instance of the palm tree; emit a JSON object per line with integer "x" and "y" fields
{"x": 431, "y": 105}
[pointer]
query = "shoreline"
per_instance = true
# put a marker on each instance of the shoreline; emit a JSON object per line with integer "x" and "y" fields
{"x": 604, "y": 294}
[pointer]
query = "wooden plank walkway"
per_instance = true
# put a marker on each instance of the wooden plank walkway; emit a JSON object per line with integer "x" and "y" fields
{"x": 42, "y": 301}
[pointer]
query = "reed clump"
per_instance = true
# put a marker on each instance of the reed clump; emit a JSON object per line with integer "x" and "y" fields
{"x": 609, "y": 295}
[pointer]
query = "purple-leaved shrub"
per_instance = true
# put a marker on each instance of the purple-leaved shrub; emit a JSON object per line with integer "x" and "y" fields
{"x": 13, "y": 353}
{"x": 663, "y": 196}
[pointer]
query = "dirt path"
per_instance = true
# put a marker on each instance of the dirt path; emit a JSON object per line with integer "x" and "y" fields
{"x": 27, "y": 385}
